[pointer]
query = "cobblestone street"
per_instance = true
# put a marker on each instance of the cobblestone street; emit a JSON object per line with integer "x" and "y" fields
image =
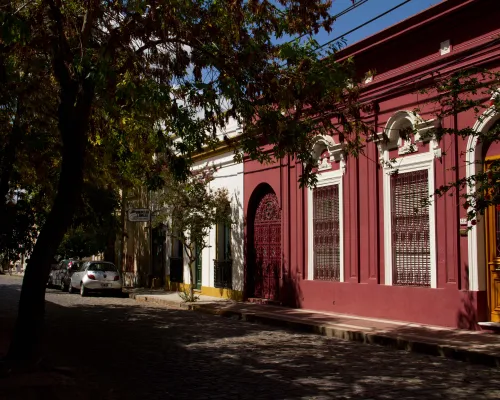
{"x": 120, "y": 349}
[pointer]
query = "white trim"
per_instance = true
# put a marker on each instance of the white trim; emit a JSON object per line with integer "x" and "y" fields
{"x": 409, "y": 163}
{"x": 325, "y": 179}
{"x": 444, "y": 47}
{"x": 335, "y": 152}
{"x": 417, "y": 162}
{"x": 476, "y": 238}
{"x": 396, "y": 121}
{"x": 424, "y": 132}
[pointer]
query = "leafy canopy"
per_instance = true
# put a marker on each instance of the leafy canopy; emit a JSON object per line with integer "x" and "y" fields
{"x": 166, "y": 69}
{"x": 191, "y": 208}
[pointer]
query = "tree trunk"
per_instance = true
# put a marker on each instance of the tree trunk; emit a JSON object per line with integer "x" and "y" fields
{"x": 28, "y": 333}
{"x": 191, "y": 288}
{"x": 123, "y": 236}
{"x": 76, "y": 95}
{"x": 73, "y": 117}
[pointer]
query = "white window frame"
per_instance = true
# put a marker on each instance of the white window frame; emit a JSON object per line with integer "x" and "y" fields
{"x": 326, "y": 178}
{"x": 412, "y": 163}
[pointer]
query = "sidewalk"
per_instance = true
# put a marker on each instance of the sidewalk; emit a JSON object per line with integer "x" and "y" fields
{"x": 172, "y": 299}
{"x": 473, "y": 346}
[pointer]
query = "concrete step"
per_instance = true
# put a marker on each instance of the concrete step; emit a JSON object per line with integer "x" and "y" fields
{"x": 493, "y": 327}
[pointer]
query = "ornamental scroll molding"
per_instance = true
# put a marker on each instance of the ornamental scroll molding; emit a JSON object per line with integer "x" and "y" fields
{"x": 393, "y": 136}
{"x": 268, "y": 209}
{"x": 334, "y": 153}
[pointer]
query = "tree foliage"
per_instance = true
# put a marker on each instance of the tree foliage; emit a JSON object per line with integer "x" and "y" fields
{"x": 471, "y": 91}
{"x": 190, "y": 209}
{"x": 471, "y": 95}
{"x": 94, "y": 226}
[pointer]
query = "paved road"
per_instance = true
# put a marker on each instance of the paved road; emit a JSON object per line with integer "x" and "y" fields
{"x": 130, "y": 351}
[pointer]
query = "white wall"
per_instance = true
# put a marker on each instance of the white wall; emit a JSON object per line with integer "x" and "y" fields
{"x": 230, "y": 176}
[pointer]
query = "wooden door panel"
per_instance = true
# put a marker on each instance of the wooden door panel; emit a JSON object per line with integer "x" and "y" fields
{"x": 492, "y": 225}
{"x": 494, "y": 292}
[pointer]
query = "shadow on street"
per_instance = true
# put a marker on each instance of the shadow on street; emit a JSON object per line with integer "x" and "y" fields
{"x": 132, "y": 351}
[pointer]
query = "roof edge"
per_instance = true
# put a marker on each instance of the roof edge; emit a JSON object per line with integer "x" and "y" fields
{"x": 407, "y": 25}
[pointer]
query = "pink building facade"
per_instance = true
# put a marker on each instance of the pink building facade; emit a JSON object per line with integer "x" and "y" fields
{"x": 353, "y": 244}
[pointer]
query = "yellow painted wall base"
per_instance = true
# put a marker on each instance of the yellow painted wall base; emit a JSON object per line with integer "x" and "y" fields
{"x": 174, "y": 286}
{"x": 225, "y": 293}
{"x": 205, "y": 290}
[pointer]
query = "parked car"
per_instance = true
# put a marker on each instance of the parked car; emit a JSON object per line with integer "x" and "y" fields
{"x": 50, "y": 279}
{"x": 58, "y": 272}
{"x": 67, "y": 273}
{"x": 96, "y": 276}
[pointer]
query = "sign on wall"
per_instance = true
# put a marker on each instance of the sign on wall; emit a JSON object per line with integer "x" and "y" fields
{"x": 139, "y": 215}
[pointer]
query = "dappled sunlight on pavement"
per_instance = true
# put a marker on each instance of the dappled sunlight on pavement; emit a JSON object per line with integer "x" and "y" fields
{"x": 130, "y": 351}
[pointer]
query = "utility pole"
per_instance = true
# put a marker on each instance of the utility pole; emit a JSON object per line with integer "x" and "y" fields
{"x": 123, "y": 230}
{"x": 150, "y": 207}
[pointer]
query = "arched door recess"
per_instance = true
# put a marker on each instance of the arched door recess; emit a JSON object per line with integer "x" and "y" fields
{"x": 266, "y": 238}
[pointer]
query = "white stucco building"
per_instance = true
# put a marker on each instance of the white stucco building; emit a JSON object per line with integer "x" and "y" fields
{"x": 219, "y": 271}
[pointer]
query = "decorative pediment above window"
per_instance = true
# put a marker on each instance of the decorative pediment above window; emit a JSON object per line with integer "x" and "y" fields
{"x": 404, "y": 131}
{"x": 324, "y": 163}
{"x": 325, "y": 151}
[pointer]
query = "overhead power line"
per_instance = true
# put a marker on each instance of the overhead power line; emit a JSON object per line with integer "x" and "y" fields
{"x": 350, "y": 8}
{"x": 364, "y": 24}
{"x": 336, "y": 16}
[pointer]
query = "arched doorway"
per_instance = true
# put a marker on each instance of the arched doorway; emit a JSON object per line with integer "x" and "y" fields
{"x": 263, "y": 274}
{"x": 483, "y": 240}
{"x": 491, "y": 156}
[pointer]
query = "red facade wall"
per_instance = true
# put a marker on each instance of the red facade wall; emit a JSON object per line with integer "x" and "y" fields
{"x": 401, "y": 54}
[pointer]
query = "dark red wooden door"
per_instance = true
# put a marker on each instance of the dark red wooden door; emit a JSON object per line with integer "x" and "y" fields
{"x": 267, "y": 244}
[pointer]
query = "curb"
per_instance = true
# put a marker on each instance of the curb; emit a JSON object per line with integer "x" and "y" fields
{"x": 145, "y": 298}
{"x": 381, "y": 338}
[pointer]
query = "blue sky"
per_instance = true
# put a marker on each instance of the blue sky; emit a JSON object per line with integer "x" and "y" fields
{"x": 367, "y": 11}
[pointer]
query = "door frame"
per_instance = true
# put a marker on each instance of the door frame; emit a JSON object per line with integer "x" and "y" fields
{"x": 492, "y": 258}
{"x": 258, "y": 193}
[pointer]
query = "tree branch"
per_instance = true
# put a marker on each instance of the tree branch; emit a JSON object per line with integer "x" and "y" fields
{"x": 60, "y": 47}
{"x": 87, "y": 25}
{"x": 148, "y": 45}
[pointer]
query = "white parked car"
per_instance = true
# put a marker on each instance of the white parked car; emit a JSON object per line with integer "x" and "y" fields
{"x": 96, "y": 276}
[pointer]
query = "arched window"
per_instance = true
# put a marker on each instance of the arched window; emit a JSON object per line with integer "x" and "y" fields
{"x": 325, "y": 214}
{"x": 408, "y": 184}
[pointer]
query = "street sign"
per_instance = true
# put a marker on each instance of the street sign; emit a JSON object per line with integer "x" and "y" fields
{"x": 139, "y": 215}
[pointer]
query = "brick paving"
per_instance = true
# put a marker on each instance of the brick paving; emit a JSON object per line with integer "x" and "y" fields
{"x": 481, "y": 347}
{"x": 121, "y": 349}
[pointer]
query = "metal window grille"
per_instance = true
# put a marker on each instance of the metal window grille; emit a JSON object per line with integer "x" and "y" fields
{"x": 326, "y": 233}
{"x": 176, "y": 269}
{"x": 223, "y": 273}
{"x": 411, "y": 248}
